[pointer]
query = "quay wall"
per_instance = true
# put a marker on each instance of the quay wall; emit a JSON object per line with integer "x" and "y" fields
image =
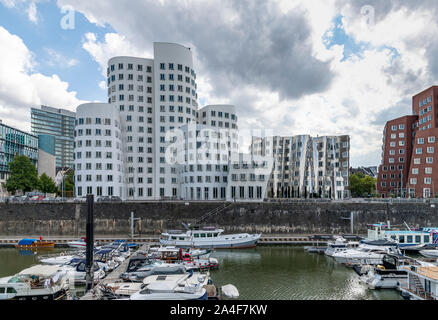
{"x": 69, "y": 219}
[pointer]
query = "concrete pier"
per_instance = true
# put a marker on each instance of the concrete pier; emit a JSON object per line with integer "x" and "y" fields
{"x": 154, "y": 240}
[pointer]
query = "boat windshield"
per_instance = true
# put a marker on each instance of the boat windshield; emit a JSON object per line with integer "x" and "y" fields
{"x": 16, "y": 280}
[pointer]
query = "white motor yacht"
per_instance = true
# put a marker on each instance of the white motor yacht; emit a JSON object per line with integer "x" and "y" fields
{"x": 339, "y": 245}
{"x": 188, "y": 286}
{"x": 39, "y": 282}
{"x": 430, "y": 253}
{"x": 209, "y": 238}
{"x": 76, "y": 271}
{"x": 371, "y": 252}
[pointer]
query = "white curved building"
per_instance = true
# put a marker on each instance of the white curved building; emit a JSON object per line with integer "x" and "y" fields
{"x": 155, "y": 148}
{"x": 151, "y": 97}
{"x": 98, "y": 151}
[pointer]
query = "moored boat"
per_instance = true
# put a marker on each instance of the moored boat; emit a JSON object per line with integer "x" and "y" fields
{"x": 34, "y": 244}
{"x": 79, "y": 244}
{"x": 188, "y": 286}
{"x": 209, "y": 238}
{"x": 36, "y": 283}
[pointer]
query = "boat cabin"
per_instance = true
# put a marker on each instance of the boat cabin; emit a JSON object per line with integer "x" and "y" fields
{"x": 405, "y": 238}
{"x": 34, "y": 243}
{"x": 422, "y": 283}
{"x": 136, "y": 263}
{"x": 39, "y": 282}
{"x": 203, "y": 233}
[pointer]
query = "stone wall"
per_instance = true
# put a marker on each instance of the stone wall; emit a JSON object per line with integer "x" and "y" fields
{"x": 22, "y": 220}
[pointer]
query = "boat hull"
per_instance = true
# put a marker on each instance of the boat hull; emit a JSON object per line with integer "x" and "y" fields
{"x": 42, "y": 297}
{"x": 48, "y": 245}
{"x": 429, "y": 253}
{"x": 244, "y": 244}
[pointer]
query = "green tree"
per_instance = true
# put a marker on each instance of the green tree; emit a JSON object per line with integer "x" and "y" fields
{"x": 362, "y": 186}
{"x": 47, "y": 185}
{"x": 23, "y": 175}
{"x": 69, "y": 184}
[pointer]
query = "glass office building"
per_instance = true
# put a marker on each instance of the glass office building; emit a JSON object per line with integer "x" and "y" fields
{"x": 14, "y": 142}
{"x": 59, "y": 123}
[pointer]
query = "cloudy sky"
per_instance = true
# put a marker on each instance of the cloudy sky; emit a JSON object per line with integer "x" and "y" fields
{"x": 295, "y": 66}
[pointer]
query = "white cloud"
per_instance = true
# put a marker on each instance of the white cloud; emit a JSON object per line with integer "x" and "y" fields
{"x": 32, "y": 12}
{"x": 103, "y": 85}
{"x": 59, "y": 60}
{"x": 113, "y": 45}
{"x": 27, "y": 6}
{"x": 21, "y": 88}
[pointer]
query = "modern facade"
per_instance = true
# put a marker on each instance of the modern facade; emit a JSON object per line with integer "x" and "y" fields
{"x": 46, "y": 155}
{"x": 409, "y": 163}
{"x": 99, "y": 165}
{"x": 423, "y": 178}
{"x": 14, "y": 142}
{"x": 307, "y": 167}
{"x": 151, "y": 141}
{"x": 396, "y": 156}
{"x": 59, "y": 123}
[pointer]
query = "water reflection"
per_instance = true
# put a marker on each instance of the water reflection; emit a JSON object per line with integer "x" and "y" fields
{"x": 264, "y": 273}
{"x": 289, "y": 273}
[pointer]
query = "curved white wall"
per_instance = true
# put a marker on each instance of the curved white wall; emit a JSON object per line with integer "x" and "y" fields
{"x": 98, "y": 153}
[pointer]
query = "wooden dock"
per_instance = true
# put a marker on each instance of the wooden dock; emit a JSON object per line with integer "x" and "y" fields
{"x": 112, "y": 277}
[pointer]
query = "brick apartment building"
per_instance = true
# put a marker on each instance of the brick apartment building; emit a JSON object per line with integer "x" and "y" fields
{"x": 409, "y": 148}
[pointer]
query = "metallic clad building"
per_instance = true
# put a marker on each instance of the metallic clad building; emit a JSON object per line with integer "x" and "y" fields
{"x": 306, "y": 166}
{"x": 59, "y": 123}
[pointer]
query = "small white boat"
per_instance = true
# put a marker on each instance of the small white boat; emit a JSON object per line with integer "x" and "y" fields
{"x": 76, "y": 272}
{"x": 62, "y": 259}
{"x": 189, "y": 286}
{"x": 171, "y": 254}
{"x": 367, "y": 253}
{"x": 391, "y": 273}
{"x": 430, "y": 253}
{"x": 79, "y": 244}
{"x": 39, "y": 282}
{"x": 209, "y": 238}
{"x": 339, "y": 245}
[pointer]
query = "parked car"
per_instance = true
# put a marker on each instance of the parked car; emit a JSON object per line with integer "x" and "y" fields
{"x": 115, "y": 199}
{"x": 80, "y": 199}
{"x": 37, "y": 198}
{"x": 103, "y": 199}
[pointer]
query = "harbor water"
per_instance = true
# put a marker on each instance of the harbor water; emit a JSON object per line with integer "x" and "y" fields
{"x": 263, "y": 273}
